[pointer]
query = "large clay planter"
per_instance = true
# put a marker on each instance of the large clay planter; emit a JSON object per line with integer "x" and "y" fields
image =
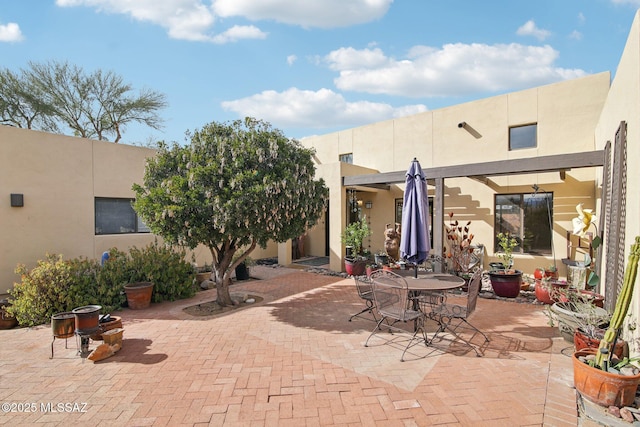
{"x": 600, "y": 387}
{"x": 138, "y": 295}
{"x": 584, "y": 342}
{"x": 545, "y": 293}
{"x": 355, "y": 268}
{"x": 506, "y": 285}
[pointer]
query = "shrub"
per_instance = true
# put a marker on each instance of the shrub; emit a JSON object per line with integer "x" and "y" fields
{"x": 56, "y": 285}
{"x": 171, "y": 275}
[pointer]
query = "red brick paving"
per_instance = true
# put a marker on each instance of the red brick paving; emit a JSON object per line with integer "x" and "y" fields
{"x": 292, "y": 360}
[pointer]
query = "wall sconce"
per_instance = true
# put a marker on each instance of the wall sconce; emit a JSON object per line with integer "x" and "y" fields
{"x": 368, "y": 204}
{"x": 17, "y": 200}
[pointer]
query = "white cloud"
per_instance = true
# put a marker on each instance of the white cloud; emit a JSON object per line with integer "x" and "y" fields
{"x": 576, "y": 35}
{"x": 10, "y": 33}
{"x": 321, "y": 14}
{"x": 530, "y": 29}
{"x": 239, "y": 32}
{"x": 291, "y": 59}
{"x": 183, "y": 19}
{"x": 314, "y": 109}
{"x": 193, "y": 20}
{"x": 455, "y": 69}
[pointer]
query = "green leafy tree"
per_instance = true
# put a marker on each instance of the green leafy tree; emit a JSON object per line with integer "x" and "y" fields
{"x": 52, "y": 95}
{"x": 236, "y": 186}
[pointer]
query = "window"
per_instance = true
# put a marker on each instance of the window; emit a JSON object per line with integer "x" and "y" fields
{"x": 116, "y": 216}
{"x": 346, "y": 158}
{"x": 523, "y": 137}
{"x": 527, "y": 217}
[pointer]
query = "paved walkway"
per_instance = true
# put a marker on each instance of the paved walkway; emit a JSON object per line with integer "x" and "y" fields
{"x": 292, "y": 360}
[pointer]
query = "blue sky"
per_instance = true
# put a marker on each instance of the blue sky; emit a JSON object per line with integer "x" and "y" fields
{"x": 317, "y": 66}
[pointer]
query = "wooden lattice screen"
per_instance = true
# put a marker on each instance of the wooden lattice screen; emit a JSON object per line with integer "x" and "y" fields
{"x": 615, "y": 211}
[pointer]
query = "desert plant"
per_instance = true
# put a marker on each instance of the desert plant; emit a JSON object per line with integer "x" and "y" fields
{"x": 507, "y": 243}
{"x": 354, "y": 235}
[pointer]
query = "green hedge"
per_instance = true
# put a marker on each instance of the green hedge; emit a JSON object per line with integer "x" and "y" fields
{"x": 55, "y": 285}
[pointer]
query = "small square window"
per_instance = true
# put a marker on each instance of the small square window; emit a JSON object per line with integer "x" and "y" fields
{"x": 346, "y": 158}
{"x": 523, "y": 137}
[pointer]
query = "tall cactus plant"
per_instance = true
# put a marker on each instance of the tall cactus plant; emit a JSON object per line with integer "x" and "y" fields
{"x": 622, "y": 307}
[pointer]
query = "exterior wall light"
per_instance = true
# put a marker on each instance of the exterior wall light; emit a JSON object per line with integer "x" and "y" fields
{"x": 368, "y": 204}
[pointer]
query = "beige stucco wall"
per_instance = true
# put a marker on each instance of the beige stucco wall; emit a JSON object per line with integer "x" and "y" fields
{"x": 59, "y": 177}
{"x": 566, "y": 114}
{"x": 623, "y": 104}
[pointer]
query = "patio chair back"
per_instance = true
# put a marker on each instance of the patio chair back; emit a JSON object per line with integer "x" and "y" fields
{"x": 391, "y": 295}
{"x": 365, "y": 292}
{"x": 474, "y": 290}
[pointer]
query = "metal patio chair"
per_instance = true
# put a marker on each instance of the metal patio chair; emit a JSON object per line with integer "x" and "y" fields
{"x": 365, "y": 292}
{"x": 452, "y": 317}
{"x": 393, "y": 304}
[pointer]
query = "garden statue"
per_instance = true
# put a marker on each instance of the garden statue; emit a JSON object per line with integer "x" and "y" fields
{"x": 392, "y": 241}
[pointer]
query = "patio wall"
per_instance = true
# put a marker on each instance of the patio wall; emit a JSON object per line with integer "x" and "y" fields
{"x": 623, "y": 104}
{"x": 59, "y": 177}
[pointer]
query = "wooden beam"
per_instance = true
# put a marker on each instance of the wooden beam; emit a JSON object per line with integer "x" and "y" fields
{"x": 554, "y": 163}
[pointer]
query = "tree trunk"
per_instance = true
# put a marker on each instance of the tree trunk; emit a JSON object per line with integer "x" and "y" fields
{"x": 224, "y": 297}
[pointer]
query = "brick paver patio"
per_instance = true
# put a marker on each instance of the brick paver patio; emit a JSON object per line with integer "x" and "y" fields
{"x": 292, "y": 360}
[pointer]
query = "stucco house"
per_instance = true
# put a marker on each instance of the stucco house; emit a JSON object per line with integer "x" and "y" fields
{"x": 496, "y": 162}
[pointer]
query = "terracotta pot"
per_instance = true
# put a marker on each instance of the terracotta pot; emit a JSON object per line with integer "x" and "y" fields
{"x": 546, "y": 293}
{"x": 603, "y": 388}
{"x": 583, "y": 342}
{"x": 138, "y": 295}
{"x": 63, "y": 325}
{"x": 538, "y": 273}
{"x": 596, "y": 299}
{"x": 506, "y": 285}
{"x": 551, "y": 274}
{"x": 7, "y": 321}
{"x": 201, "y": 277}
{"x": 87, "y": 318}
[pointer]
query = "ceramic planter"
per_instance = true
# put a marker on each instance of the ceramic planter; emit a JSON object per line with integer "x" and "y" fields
{"x": 354, "y": 268}
{"x": 600, "y": 387}
{"x": 138, "y": 295}
{"x": 569, "y": 321}
{"x": 506, "y": 285}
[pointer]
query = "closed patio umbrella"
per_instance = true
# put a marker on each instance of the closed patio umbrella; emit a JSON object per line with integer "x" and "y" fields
{"x": 414, "y": 241}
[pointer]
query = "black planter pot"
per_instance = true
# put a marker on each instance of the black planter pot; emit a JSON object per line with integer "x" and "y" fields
{"x": 506, "y": 285}
{"x": 242, "y": 272}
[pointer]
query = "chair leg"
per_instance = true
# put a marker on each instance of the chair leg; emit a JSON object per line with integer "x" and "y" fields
{"x": 368, "y": 308}
{"x": 411, "y": 343}
{"x": 447, "y": 325}
{"x": 366, "y": 343}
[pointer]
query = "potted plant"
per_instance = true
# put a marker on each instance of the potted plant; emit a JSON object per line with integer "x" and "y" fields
{"x": 598, "y": 375}
{"x": 382, "y": 258}
{"x": 572, "y": 312}
{"x": 353, "y": 236}
{"x": 242, "y": 270}
{"x": 507, "y": 282}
